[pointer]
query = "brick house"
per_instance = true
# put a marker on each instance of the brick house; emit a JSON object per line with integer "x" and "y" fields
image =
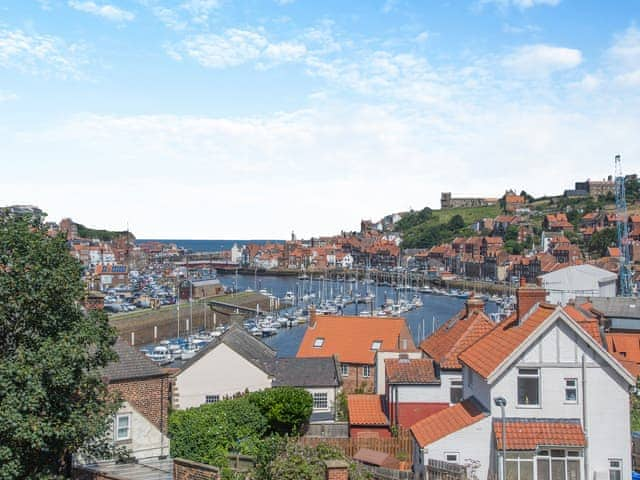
{"x": 140, "y": 424}
{"x": 355, "y": 341}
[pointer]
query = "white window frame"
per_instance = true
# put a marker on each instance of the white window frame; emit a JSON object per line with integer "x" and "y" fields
{"x": 213, "y": 398}
{"x": 116, "y": 432}
{"x": 326, "y": 401}
{"x": 567, "y": 388}
{"x": 376, "y": 345}
{"x": 538, "y": 376}
{"x": 569, "y": 454}
{"x": 454, "y": 454}
{"x": 366, "y": 371}
{"x": 520, "y": 460}
{"x": 318, "y": 342}
{"x": 614, "y": 468}
{"x": 458, "y": 384}
{"x": 344, "y": 369}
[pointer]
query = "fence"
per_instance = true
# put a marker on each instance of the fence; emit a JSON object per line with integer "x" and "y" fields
{"x": 381, "y": 473}
{"x": 329, "y": 430}
{"x": 400, "y": 447}
{"x": 440, "y": 470}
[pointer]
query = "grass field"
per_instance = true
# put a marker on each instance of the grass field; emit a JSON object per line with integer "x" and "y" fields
{"x": 468, "y": 214}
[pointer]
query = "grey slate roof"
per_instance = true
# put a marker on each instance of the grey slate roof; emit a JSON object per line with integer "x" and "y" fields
{"x": 306, "y": 372}
{"x": 620, "y": 307}
{"x": 245, "y": 345}
{"x": 132, "y": 364}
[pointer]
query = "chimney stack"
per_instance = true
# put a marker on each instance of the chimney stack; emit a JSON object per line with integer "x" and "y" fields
{"x": 474, "y": 304}
{"x": 527, "y": 296}
{"x": 312, "y": 316}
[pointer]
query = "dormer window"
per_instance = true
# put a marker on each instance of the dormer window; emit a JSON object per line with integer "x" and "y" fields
{"x": 318, "y": 342}
{"x": 376, "y": 345}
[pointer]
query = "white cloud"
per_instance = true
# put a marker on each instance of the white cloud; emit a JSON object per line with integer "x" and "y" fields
{"x": 542, "y": 60}
{"x": 589, "y": 82}
{"x": 236, "y": 47}
{"x": 389, "y": 6}
{"x": 284, "y": 2}
{"x": 626, "y": 48}
{"x": 169, "y": 17}
{"x": 522, "y": 4}
{"x": 422, "y": 37}
{"x": 40, "y": 54}
{"x": 629, "y": 79}
{"x": 106, "y": 11}
{"x": 201, "y": 9}
{"x": 519, "y": 29}
{"x": 7, "y": 96}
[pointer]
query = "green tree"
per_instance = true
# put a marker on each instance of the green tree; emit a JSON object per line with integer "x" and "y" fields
{"x": 53, "y": 402}
{"x": 601, "y": 240}
{"x": 456, "y": 223}
{"x": 511, "y": 233}
{"x": 287, "y": 409}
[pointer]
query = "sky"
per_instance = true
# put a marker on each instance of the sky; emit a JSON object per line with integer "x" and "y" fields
{"x": 254, "y": 118}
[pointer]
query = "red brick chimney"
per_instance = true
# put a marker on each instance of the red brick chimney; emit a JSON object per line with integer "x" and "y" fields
{"x": 474, "y": 304}
{"x": 527, "y": 296}
{"x": 336, "y": 470}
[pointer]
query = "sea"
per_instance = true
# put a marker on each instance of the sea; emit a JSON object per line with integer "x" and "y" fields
{"x": 207, "y": 245}
{"x": 422, "y": 321}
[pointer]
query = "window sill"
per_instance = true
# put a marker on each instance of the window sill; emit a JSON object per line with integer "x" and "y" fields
{"x": 530, "y": 407}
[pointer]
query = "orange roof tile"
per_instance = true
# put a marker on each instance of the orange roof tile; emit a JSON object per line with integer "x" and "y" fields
{"x": 530, "y": 433}
{"x": 485, "y": 355}
{"x": 624, "y": 345}
{"x": 366, "y": 410}
{"x": 415, "y": 370}
{"x": 588, "y": 324}
{"x": 454, "y": 336}
{"x": 351, "y": 338}
{"x": 447, "y": 421}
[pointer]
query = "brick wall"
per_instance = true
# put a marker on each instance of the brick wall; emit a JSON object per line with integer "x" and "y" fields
{"x": 336, "y": 470}
{"x": 355, "y": 380}
{"x": 149, "y": 396}
{"x": 188, "y": 470}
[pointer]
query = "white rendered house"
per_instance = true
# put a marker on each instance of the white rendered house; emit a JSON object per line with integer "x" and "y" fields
{"x": 565, "y": 401}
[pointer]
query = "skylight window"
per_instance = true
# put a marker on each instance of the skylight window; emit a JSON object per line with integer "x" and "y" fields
{"x": 376, "y": 345}
{"x": 318, "y": 342}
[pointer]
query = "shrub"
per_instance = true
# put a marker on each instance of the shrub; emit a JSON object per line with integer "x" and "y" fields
{"x": 207, "y": 433}
{"x": 286, "y": 409}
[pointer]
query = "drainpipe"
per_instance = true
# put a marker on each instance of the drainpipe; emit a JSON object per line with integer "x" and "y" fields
{"x": 584, "y": 419}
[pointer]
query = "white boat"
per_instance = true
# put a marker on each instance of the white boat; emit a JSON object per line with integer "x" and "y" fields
{"x": 365, "y": 313}
{"x": 160, "y": 354}
{"x": 417, "y": 301}
{"x": 289, "y": 297}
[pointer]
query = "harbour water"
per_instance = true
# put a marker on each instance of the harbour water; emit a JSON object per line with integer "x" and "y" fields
{"x": 436, "y": 309}
{"x": 207, "y": 246}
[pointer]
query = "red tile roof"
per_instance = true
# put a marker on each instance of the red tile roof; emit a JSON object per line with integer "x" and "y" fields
{"x": 415, "y": 370}
{"x": 528, "y": 434}
{"x": 366, "y": 410}
{"x": 485, "y": 355}
{"x": 447, "y": 421}
{"x": 454, "y": 336}
{"x": 625, "y": 347}
{"x": 410, "y": 413}
{"x": 351, "y": 338}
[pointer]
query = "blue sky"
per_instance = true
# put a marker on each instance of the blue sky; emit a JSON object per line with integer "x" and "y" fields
{"x": 228, "y": 118}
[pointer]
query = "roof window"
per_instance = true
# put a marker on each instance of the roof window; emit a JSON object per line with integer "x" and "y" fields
{"x": 318, "y": 342}
{"x": 376, "y": 344}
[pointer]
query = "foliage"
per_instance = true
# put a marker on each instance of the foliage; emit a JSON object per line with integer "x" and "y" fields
{"x": 601, "y": 240}
{"x": 282, "y": 458}
{"x": 513, "y": 247}
{"x": 342, "y": 407}
{"x": 286, "y": 409}
{"x": 414, "y": 218}
{"x": 53, "y": 402}
{"x": 635, "y": 411}
{"x": 511, "y": 233}
{"x": 632, "y": 188}
{"x": 105, "y": 235}
{"x": 207, "y": 433}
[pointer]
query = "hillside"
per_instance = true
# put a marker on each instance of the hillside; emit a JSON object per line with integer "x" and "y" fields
{"x": 104, "y": 235}
{"x": 426, "y": 228}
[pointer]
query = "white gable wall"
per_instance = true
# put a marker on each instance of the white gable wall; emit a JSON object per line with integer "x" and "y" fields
{"x": 472, "y": 442}
{"x": 146, "y": 439}
{"x": 558, "y": 355}
{"x": 221, "y": 372}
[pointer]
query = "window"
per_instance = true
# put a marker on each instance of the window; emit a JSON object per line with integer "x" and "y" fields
{"x": 318, "y": 342}
{"x": 558, "y": 464}
{"x": 212, "y": 398}
{"x": 519, "y": 466}
{"x": 528, "y": 387}
{"x": 344, "y": 369}
{"x": 455, "y": 391}
{"x": 366, "y": 371}
{"x": 452, "y": 457}
{"x": 615, "y": 469}
{"x": 571, "y": 390}
{"x": 320, "y": 401}
{"x": 376, "y": 345}
{"x": 123, "y": 427}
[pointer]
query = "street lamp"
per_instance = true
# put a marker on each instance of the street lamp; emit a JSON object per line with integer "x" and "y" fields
{"x": 502, "y": 403}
